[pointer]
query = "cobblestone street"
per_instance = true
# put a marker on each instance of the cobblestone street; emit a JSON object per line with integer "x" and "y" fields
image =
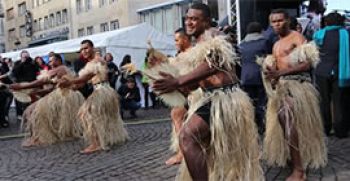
{"x": 141, "y": 158}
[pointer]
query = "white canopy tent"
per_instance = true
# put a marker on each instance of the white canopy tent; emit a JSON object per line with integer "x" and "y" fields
{"x": 130, "y": 40}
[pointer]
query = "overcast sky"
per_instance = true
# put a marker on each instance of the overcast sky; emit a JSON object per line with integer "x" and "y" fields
{"x": 338, "y": 4}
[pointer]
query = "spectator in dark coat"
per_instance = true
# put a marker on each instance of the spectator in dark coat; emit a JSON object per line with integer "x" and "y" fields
{"x": 113, "y": 70}
{"x": 5, "y": 95}
{"x": 254, "y": 45}
{"x": 24, "y": 70}
{"x": 130, "y": 97}
{"x": 333, "y": 74}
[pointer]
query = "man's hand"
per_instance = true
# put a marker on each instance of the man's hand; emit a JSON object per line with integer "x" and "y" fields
{"x": 15, "y": 86}
{"x": 167, "y": 84}
{"x": 64, "y": 83}
{"x": 272, "y": 73}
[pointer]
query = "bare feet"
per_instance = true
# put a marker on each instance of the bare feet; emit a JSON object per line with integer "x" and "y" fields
{"x": 297, "y": 175}
{"x": 176, "y": 159}
{"x": 91, "y": 149}
{"x": 30, "y": 142}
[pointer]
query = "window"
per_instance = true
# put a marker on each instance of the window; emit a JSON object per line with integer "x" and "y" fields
{"x": 102, "y": 2}
{"x": 112, "y": 1}
{"x": 52, "y": 20}
{"x": 104, "y": 27}
{"x": 35, "y": 24}
{"x": 33, "y": 3}
{"x": 79, "y": 6}
{"x": 89, "y": 30}
{"x": 2, "y": 48}
{"x": 58, "y": 18}
{"x": 88, "y": 5}
{"x": 46, "y": 23}
{"x": 2, "y": 31}
{"x": 10, "y": 13}
{"x": 22, "y": 31}
{"x": 22, "y": 9}
{"x": 81, "y": 32}
{"x": 41, "y": 24}
{"x": 114, "y": 25}
{"x": 12, "y": 34}
{"x": 64, "y": 16}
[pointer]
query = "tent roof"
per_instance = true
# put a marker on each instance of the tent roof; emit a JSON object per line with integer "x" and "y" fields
{"x": 134, "y": 37}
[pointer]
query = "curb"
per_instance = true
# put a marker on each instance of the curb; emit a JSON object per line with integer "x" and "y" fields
{"x": 146, "y": 121}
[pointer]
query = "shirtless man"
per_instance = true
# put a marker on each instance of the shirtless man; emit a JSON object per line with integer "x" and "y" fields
{"x": 182, "y": 43}
{"x": 42, "y": 121}
{"x": 197, "y": 142}
{"x": 287, "y": 75}
{"x": 99, "y": 114}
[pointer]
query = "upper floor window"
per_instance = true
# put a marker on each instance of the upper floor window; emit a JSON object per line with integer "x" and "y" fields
{"x": 51, "y": 20}
{"x": 102, "y": 2}
{"x": 22, "y": 31}
{"x": 79, "y": 6}
{"x": 58, "y": 18}
{"x": 22, "y": 9}
{"x": 88, "y": 5}
{"x": 40, "y": 24}
{"x": 114, "y": 25}
{"x": 89, "y": 30}
{"x": 2, "y": 31}
{"x": 81, "y": 32}
{"x": 10, "y": 13}
{"x": 46, "y": 22}
{"x": 35, "y": 25}
{"x": 64, "y": 16}
{"x": 104, "y": 27}
{"x": 12, "y": 34}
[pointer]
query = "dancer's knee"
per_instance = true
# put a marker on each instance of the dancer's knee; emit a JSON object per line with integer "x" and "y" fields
{"x": 186, "y": 139}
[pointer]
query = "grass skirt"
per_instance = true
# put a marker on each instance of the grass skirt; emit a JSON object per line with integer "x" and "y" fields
{"x": 100, "y": 117}
{"x": 53, "y": 118}
{"x": 233, "y": 153}
{"x": 305, "y": 116}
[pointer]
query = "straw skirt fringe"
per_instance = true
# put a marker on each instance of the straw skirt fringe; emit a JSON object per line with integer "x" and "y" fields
{"x": 306, "y": 118}
{"x": 100, "y": 118}
{"x": 233, "y": 153}
{"x": 53, "y": 118}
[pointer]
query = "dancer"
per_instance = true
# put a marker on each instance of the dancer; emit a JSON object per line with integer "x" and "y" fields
{"x": 293, "y": 122}
{"x": 219, "y": 139}
{"x": 182, "y": 43}
{"x": 53, "y": 117}
{"x": 99, "y": 114}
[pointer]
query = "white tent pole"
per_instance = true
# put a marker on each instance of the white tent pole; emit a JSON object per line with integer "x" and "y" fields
{"x": 238, "y": 16}
{"x": 229, "y": 14}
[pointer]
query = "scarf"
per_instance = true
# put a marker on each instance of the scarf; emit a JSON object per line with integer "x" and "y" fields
{"x": 344, "y": 55}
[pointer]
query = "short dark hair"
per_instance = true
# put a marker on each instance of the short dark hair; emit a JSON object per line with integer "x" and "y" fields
{"x": 130, "y": 79}
{"x": 281, "y": 11}
{"x": 182, "y": 32}
{"x": 202, "y": 7}
{"x": 88, "y": 42}
{"x": 334, "y": 19}
{"x": 57, "y": 57}
{"x": 254, "y": 27}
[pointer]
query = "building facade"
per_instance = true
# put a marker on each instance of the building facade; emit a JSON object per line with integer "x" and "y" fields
{"x": 93, "y": 16}
{"x": 2, "y": 28}
{"x": 31, "y": 23}
{"x": 169, "y": 16}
